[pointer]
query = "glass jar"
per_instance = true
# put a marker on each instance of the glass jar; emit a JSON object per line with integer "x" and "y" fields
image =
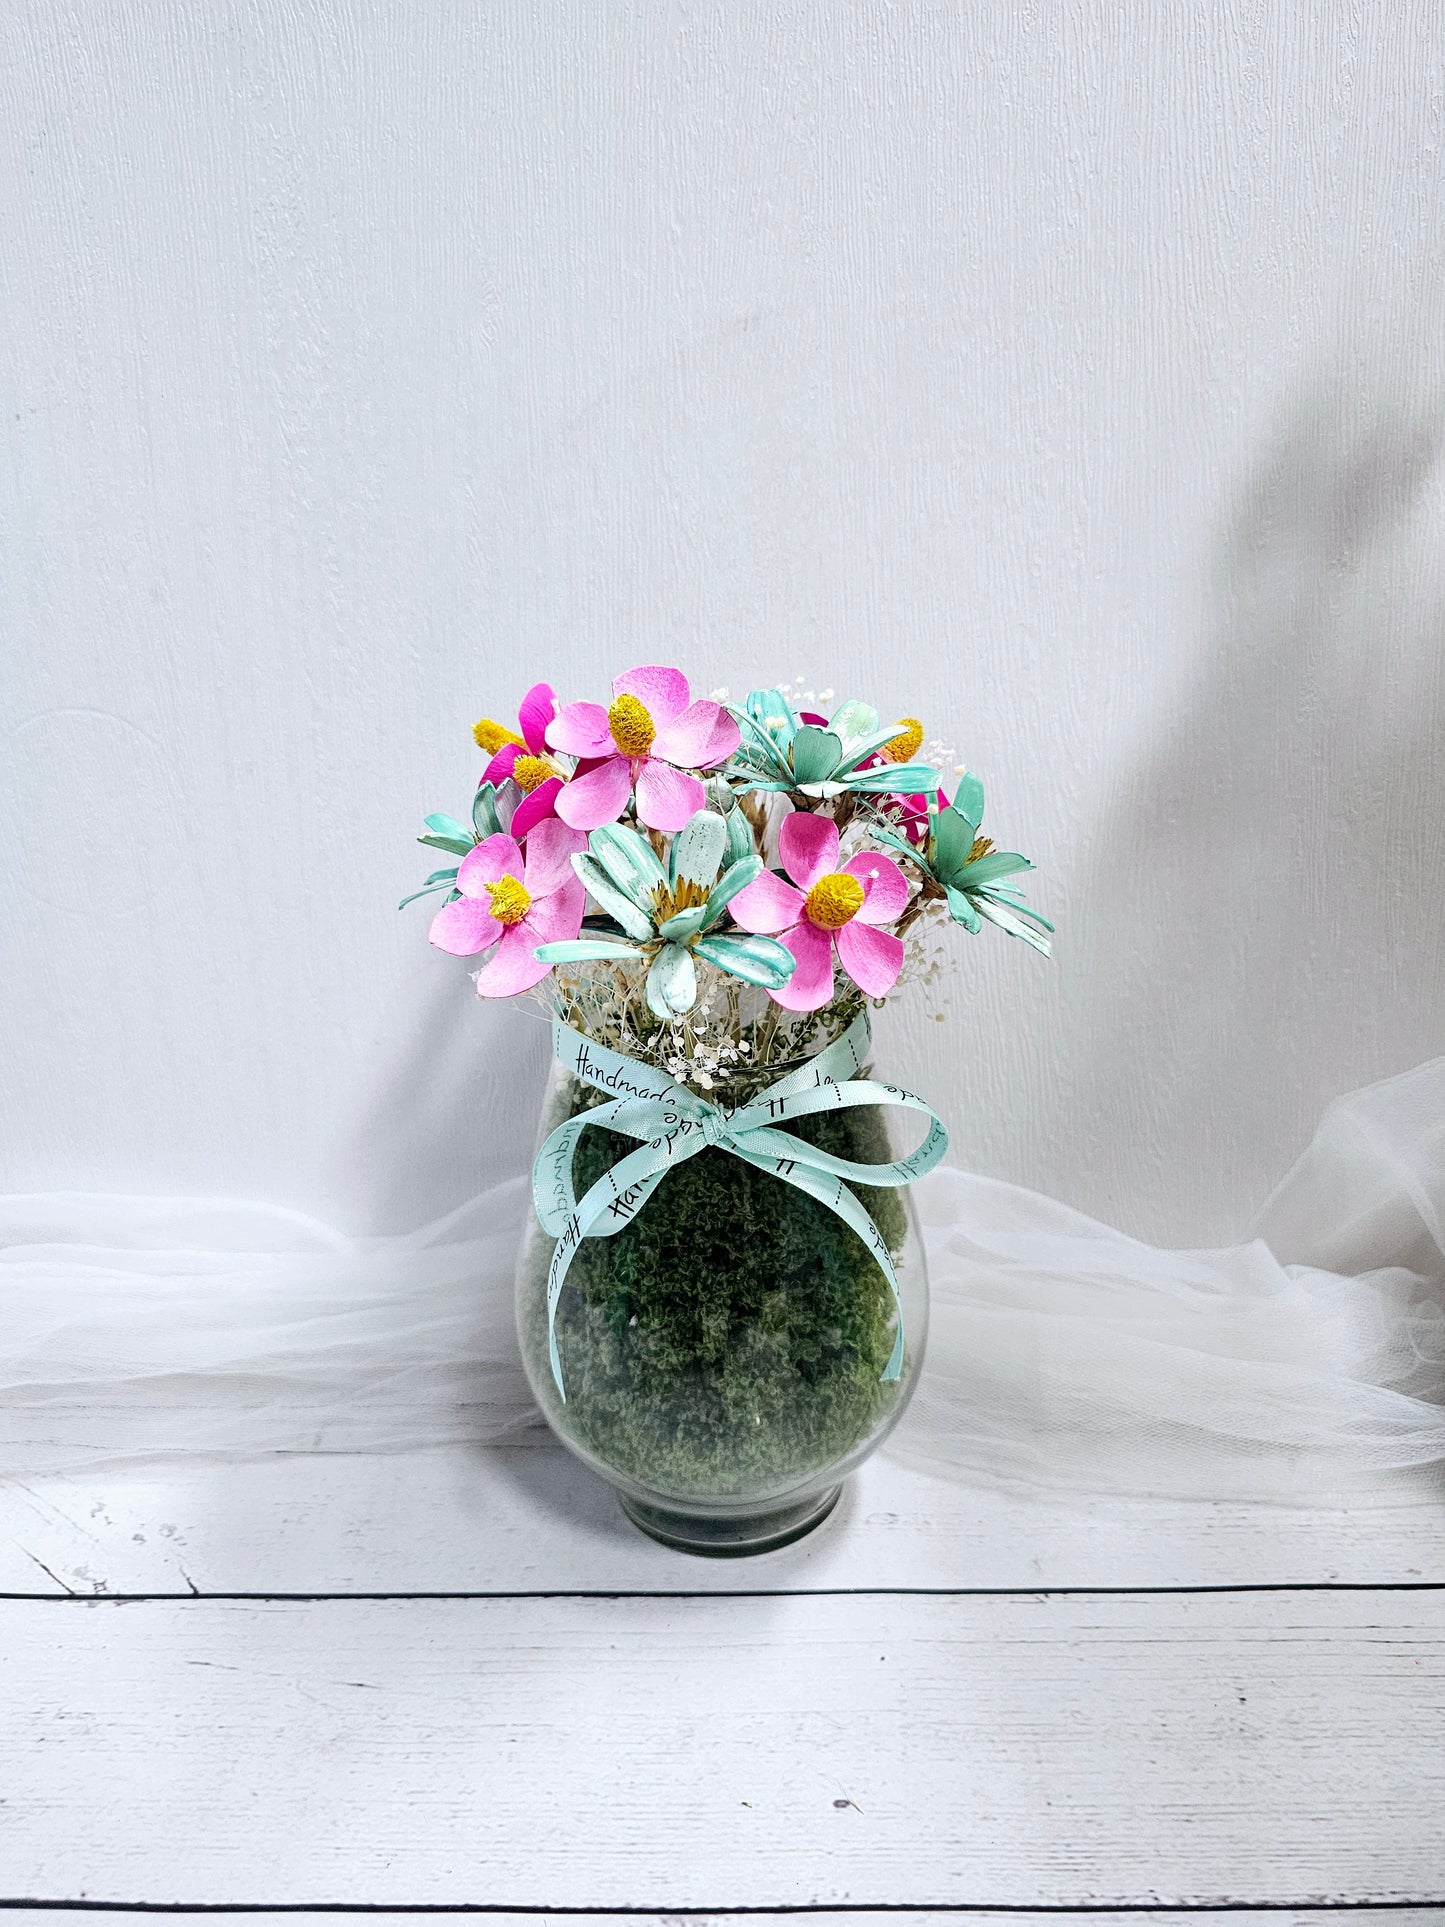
{"x": 724, "y": 1354}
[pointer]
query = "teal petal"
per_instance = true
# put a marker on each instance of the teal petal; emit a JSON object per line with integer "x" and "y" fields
{"x": 766, "y": 706}
{"x": 617, "y": 903}
{"x": 851, "y": 722}
{"x": 697, "y": 849}
{"x": 953, "y": 837}
{"x": 671, "y": 982}
{"x": 449, "y": 826}
{"x": 440, "y": 880}
{"x": 630, "y": 861}
{"x": 815, "y": 754}
{"x": 998, "y": 863}
{"x": 485, "y": 820}
{"x": 740, "y": 837}
{"x": 968, "y": 802}
{"x": 1015, "y": 926}
{"x": 896, "y": 841}
{"x": 757, "y": 960}
{"x": 962, "y": 911}
{"x": 458, "y": 845}
{"x": 685, "y": 924}
{"x": 899, "y": 779}
{"x": 875, "y": 739}
{"x": 736, "y": 877}
{"x": 583, "y": 950}
{"x": 1009, "y": 898}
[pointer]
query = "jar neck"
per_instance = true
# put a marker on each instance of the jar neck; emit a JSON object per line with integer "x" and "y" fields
{"x": 729, "y": 1056}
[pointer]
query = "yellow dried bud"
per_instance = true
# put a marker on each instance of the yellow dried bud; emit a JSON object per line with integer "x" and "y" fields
{"x": 530, "y": 772}
{"x": 981, "y": 847}
{"x": 492, "y": 736}
{"x": 834, "y": 900}
{"x": 511, "y": 899}
{"x": 904, "y": 748}
{"x": 631, "y": 726}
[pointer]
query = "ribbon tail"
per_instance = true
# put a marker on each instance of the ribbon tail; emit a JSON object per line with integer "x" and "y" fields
{"x": 620, "y": 1193}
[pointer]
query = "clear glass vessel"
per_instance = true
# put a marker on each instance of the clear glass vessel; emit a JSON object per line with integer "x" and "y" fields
{"x": 723, "y": 1355}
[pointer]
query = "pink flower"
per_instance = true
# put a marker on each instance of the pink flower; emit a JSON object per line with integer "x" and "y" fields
{"x": 515, "y": 902}
{"x": 525, "y": 762}
{"x": 824, "y": 906}
{"x": 651, "y": 733}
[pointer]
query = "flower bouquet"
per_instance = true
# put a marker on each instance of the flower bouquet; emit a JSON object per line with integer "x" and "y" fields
{"x": 721, "y": 1297}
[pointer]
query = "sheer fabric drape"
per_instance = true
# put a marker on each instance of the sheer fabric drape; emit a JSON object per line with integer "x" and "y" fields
{"x": 1063, "y": 1353}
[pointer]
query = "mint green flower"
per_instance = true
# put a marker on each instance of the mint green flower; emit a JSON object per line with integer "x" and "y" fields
{"x": 780, "y": 751}
{"x": 668, "y": 915}
{"x": 970, "y": 871}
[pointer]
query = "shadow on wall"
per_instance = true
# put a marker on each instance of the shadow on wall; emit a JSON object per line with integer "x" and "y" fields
{"x": 456, "y": 1108}
{"x": 1269, "y": 878}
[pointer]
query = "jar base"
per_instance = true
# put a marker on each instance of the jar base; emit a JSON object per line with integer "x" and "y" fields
{"x": 714, "y": 1537}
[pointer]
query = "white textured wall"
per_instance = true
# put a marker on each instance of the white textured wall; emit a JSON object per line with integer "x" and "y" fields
{"x": 1068, "y": 375}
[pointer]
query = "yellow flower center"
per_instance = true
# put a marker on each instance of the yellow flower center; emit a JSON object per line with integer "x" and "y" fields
{"x": 492, "y": 736}
{"x": 511, "y": 900}
{"x": 687, "y": 895}
{"x": 631, "y": 726}
{"x": 981, "y": 847}
{"x": 904, "y": 748}
{"x": 528, "y": 772}
{"x": 834, "y": 900}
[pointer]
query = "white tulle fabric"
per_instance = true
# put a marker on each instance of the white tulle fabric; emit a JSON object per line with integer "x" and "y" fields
{"x": 1062, "y": 1353}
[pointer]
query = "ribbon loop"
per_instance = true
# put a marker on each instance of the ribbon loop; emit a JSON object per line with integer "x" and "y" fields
{"x": 674, "y": 1124}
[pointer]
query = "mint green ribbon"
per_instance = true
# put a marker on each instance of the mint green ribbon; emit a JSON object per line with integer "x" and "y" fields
{"x": 676, "y": 1123}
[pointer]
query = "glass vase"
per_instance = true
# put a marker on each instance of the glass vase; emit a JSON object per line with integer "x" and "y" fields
{"x": 724, "y": 1354}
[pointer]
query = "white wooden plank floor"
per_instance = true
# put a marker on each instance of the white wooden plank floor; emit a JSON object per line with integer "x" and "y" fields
{"x": 237, "y": 1687}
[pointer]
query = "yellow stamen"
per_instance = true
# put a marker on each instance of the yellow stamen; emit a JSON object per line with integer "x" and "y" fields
{"x": 631, "y": 726}
{"x": 492, "y": 736}
{"x": 511, "y": 900}
{"x": 981, "y": 847}
{"x": 904, "y": 748}
{"x": 529, "y": 772}
{"x": 687, "y": 896}
{"x": 834, "y": 900}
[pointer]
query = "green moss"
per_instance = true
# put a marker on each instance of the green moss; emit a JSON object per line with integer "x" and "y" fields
{"x": 732, "y": 1338}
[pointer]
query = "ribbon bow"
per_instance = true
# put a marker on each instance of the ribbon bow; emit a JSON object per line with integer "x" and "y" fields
{"x": 675, "y": 1124}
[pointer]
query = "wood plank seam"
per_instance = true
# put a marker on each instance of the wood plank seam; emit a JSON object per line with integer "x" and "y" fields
{"x": 984, "y": 1909}
{"x": 72, "y": 1596}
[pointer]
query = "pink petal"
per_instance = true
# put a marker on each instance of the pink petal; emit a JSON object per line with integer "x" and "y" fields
{"x": 550, "y": 850}
{"x": 812, "y": 716}
{"x": 703, "y": 734}
{"x": 581, "y": 730}
{"x": 499, "y": 856}
{"x": 500, "y": 767}
{"x": 872, "y": 958}
{"x": 599, "y": 797}
{"x": 811, "y": 984}
{"x": 557, "y": 918}
{"x": 885, "y": 888}
{"x": 539, "y": 706}
{"x": 465, "y": 927}
{"x": 725, "y": 739}
{"x": 513, "y": 967}
{"x": 808, "y": 846}
{"x": 665, "y": 797}
{"x": 537, "y": 805}
{"x": 663, "y": 693}
{"x": 767, "y": 905}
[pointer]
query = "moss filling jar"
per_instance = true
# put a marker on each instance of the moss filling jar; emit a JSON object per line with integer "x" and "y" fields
{"x": 731, "y": 1353}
